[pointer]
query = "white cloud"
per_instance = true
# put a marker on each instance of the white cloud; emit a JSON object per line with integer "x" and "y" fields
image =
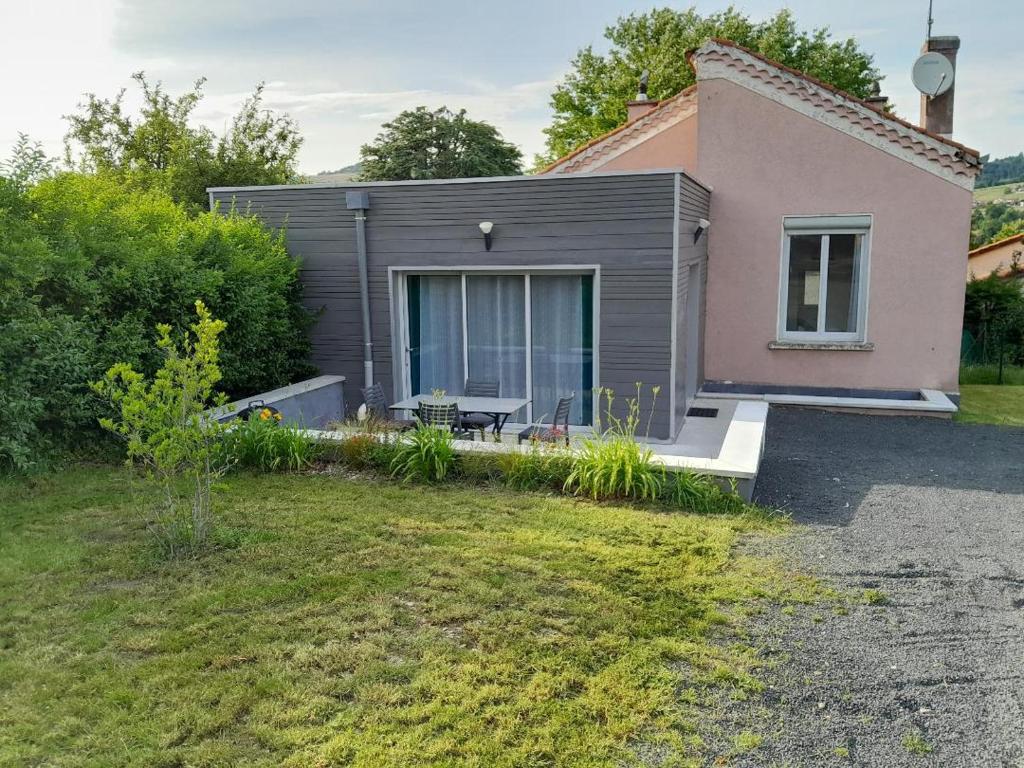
{"x": 343, "y": 69}
{"x": 336, "y": 122}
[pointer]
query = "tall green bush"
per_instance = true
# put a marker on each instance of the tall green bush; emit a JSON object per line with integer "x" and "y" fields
{"x": 994, "y": 317}
{"x": 88, "y": 268}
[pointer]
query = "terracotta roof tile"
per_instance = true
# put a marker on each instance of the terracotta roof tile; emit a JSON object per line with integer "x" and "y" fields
{"x": 838, "y": 92}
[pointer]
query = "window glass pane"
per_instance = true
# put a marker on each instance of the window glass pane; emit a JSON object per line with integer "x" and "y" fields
{"x": 804, "y": 283}
{"x": 496, "y": 325}
{"x": 435, "y": 330}
{"x": 562, "y": 359}
{"x": 841, "y": 296}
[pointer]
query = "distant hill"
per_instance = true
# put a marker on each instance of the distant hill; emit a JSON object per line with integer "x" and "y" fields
{"x": 348, "y": 173}
{"x": 1000, "y": 193}
{"x": 998, "y": 213}
{"x": 1001, "y": 170}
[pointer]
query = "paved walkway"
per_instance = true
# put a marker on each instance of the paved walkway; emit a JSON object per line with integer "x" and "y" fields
{"x": 931, "y": 514}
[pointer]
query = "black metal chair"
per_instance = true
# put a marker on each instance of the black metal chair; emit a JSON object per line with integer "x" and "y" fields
{"x": 444, "y": 415}
{"x": 559, "y": 427}
{"x": 377, "y": 406}
{"x": 480, "y": 388}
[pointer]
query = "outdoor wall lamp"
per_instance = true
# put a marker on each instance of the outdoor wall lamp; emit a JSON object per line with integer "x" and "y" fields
{"x": 703, "y": 225}
{"x": 486, "y": 227}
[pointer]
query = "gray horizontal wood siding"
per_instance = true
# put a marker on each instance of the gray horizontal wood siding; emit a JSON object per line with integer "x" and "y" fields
{"x": 625, "y": 223}
{"x": 694, "y": 204}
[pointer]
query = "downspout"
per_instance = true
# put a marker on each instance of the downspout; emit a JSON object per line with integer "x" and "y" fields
{"x": 359, "y": 201}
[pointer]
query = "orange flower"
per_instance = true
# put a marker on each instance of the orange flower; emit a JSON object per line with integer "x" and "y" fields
{"x": 277, "y": 416}
{"x": 265, "y": 414}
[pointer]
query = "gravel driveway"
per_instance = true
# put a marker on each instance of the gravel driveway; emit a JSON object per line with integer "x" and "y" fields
{"x": 931, "y": 514}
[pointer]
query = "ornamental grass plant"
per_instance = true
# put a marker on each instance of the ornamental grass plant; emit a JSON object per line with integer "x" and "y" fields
{"x": 612, "y": 463}
{"x": 263, "y": 443}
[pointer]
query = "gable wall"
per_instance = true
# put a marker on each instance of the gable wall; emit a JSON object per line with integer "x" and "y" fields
{"x": 674, "y": 147}
{"x": 766, "y": 161}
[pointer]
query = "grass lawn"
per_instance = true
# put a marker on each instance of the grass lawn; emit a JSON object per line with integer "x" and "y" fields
{"x": 354, "y": 622}
{"x": 991, "y": 404}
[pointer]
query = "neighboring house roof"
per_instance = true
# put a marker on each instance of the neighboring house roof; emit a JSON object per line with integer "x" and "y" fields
{"x": 796, "y": 90}
{"x": 997, "y": 244}
{"x": 997, "y": 259}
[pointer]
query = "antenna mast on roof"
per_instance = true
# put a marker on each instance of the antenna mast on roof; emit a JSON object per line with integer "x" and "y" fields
{"x": 930, "y": 20}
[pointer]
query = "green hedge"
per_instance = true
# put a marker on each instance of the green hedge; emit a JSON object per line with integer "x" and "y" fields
{"x": 87, "y": 270}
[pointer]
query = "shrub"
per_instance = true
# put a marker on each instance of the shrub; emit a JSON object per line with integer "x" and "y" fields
{"x": 479, "y": 467}
{"x": 699, "y": 493}
{"x": 169, "y": 435}
{"x": 426, "y": 454}
{"x": 88, "y": 268}
{"x": 994, "y": 319}
{"x": 540, "y": 467}
{"x": 615, "y": 467}
{"x": 360, "y": 451}
{"x": 262, "y": 443}
{"x": 612, "y": 464}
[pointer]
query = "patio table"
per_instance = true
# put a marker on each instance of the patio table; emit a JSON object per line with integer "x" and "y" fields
{"x": 498, "y": 407}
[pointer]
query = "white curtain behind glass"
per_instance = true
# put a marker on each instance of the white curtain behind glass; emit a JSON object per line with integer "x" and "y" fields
{"x": 440, "y": 319}
{"x": 496, "y": 325}
{"x": 556, "y": 312}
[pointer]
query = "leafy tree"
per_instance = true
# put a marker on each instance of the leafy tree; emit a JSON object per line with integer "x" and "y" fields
{"x": 438, "y": 144}
{"x": 161, "y": 149}
{"x": 591, "y": 100}
{"x": 28, "y": 163}
{"x": 995, "y": 221}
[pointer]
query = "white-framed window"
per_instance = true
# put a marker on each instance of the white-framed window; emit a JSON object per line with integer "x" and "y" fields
{"x": 824, "y": 280}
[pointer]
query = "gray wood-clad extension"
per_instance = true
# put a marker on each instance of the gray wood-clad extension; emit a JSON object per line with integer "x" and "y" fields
{"x": 637, "y": 228}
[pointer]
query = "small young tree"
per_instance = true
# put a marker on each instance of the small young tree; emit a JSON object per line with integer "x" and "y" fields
{"x": 168, "y": 434}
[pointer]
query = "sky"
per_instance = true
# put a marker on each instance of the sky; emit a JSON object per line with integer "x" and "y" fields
{"x": 343, "y": 67}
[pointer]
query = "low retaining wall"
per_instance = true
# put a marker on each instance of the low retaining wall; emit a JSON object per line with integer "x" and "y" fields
{"x": 313, "y": 403}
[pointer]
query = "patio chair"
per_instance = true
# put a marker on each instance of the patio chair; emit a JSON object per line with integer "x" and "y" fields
{"x": 559, "y": 427}
{"x": 377, "y": 406}
{"x": 480, "y": 388}
{"x": 443, "y": 415}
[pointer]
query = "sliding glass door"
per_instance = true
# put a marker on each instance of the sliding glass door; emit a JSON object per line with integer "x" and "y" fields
{"x": 496, "y": 331}
{"x": 435, "y": 334}
{"x": 561, "y": 324}
{"x": 532, "y": 333}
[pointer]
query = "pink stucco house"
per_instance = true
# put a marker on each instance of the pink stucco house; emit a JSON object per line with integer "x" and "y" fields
{"x": 837, "y": 231}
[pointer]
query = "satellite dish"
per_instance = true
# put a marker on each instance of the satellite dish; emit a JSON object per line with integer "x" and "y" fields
{"x": 932, "y": 74}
